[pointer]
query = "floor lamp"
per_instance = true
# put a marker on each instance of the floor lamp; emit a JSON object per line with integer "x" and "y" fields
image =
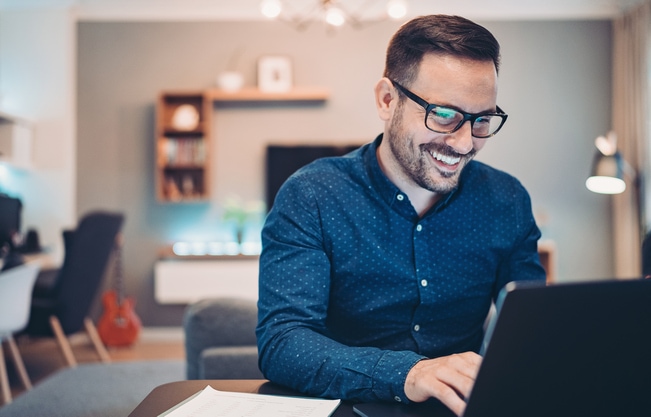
{"x": 609, "y": 174}
{"x": 608, "y": 167}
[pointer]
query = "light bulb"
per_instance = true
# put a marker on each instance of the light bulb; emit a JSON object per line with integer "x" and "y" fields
{"x": 181, "y": 248}
{"x": 198, "y": 248}
{"x": 396, "y": 9}
{"x": 335, "y": 17}
{"x": 271, "y": 8}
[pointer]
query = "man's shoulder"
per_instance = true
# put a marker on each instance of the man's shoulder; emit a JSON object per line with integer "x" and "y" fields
{"x": 333, "y": 165}
{"x": 328, "y": 177}
{"x": 480, "y": 171}
{"x": 494, "y": 183}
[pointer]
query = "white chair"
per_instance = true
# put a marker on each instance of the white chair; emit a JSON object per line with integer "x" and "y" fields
{"x": 16, "y": 286}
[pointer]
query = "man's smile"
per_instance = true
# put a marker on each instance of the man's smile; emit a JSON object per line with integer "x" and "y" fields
{"x": 446, "y": 159}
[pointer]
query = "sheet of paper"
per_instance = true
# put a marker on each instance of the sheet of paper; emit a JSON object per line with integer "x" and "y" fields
{"x": 211, "y": 403}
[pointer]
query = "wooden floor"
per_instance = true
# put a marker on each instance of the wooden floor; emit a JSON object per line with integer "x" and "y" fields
{"x": 42, "y": 357}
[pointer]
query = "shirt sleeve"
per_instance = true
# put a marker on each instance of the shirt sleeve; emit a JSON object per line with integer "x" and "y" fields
{"x": 294, "y": 346}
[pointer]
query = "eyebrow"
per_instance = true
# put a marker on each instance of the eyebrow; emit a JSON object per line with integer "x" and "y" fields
{"x": 424, "y": 103}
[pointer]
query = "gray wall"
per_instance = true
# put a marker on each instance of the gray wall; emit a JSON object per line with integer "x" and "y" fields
{"x": 554, "y": 83}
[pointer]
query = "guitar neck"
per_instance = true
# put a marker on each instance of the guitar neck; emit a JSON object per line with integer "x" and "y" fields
{"x": 118, "y": 271}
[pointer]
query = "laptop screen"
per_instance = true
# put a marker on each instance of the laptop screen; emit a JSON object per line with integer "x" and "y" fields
{"x": 575, "y": 349}
{"x": 564, "y": 350}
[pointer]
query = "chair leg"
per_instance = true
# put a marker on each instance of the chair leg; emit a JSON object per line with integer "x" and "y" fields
{"x": 4, "y": 379}
{"x": 64, "y": 345}
{"x": 20, "y": 365}
{"x": 96, "y": 340}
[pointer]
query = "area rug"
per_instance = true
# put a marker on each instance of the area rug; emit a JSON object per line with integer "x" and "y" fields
{"x": 95, "y": 390}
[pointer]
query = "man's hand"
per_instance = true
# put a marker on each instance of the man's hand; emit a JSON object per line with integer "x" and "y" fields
{"x": 448, "y": 378}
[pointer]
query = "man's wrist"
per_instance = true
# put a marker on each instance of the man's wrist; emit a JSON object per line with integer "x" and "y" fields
{"x": 390, "y": 375}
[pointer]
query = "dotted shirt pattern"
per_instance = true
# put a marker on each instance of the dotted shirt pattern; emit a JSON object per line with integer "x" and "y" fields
{"x": 355, "y": 288}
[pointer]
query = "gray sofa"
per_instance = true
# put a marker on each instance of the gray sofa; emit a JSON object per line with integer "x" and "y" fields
{"x": 220, "y": 339}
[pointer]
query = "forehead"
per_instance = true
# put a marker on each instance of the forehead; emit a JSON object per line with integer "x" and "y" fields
{"x": 460, "y": 82}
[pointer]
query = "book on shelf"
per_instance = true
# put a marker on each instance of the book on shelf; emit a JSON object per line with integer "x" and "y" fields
{"x": 183, "y": 151}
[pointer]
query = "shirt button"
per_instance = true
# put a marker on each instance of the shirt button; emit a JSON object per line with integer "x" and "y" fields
{"x": 398, "y": 399}
{"x": 416, "y": 328}
{"x": 423, "y": 283}
{"x": 400, "y": 197}
{"x": 419, "y": 227}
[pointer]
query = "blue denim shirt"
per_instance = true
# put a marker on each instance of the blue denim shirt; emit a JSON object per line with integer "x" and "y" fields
{"x": 355, "y": 288}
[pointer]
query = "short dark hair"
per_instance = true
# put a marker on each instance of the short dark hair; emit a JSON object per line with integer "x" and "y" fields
{"x": 438, "y": 34}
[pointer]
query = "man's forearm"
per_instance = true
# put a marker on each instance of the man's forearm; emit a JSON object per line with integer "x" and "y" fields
{"x": 316, "y": 365}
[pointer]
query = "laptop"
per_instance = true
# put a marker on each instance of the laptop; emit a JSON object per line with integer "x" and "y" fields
{"x": 565, "y": 350}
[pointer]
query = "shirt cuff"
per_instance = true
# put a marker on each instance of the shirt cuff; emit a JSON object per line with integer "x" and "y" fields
{"x": 390, "y": 374}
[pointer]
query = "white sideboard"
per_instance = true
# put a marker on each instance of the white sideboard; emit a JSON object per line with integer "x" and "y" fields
{"x": 179, "y": 280}
{"x": 184, "y": 281}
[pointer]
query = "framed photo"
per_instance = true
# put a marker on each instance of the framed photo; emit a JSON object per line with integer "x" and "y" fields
{"x": 274, "y": 74}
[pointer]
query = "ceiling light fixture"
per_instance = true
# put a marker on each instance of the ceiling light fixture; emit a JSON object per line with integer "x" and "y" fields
{"x": 333, "y": 12}
{"x": 271, "y": 8}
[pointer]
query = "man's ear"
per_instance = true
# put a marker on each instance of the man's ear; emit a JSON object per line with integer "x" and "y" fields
{"x": 385, "y": 98}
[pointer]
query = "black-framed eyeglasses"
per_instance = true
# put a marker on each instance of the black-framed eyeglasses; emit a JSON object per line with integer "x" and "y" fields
{"x": 441, "y": 119}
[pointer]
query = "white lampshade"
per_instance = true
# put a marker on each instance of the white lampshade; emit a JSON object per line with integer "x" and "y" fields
{"x": 607, "y": 175}
{"x": 605, "y": 185}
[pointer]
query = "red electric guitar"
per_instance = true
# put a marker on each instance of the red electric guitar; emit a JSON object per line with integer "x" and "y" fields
{"x": 119, "y": 325}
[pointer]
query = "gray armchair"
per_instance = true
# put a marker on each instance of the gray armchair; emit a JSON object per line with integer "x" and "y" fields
{"x": 220, "y": 340}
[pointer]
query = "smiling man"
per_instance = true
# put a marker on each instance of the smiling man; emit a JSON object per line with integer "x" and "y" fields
{"x": 378, "y": 268}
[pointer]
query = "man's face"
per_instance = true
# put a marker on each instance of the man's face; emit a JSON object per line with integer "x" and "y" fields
{"x": 431, "y": 160}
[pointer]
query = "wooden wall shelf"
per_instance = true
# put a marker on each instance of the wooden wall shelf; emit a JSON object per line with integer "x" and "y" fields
{"x": 183, "y": 155}
{"x": 253, "y": 94}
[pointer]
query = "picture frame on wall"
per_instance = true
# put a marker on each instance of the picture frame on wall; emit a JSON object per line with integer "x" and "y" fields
{"x": 275, "y": 73}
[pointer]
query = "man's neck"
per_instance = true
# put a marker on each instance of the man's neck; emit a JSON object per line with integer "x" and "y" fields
{"x": 421, "y": 199}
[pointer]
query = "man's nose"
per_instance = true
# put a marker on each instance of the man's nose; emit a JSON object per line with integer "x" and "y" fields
{"x": 461, "y": 140}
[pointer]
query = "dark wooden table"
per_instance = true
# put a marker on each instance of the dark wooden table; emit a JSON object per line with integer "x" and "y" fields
{"x": 166, "y": 396}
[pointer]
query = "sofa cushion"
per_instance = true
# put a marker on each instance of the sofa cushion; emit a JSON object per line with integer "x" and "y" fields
{"x": 230, "y": 362}
{"x": 219, "y": 323}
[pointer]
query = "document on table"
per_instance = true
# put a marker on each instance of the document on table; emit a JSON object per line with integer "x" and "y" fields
{"x": 211, "y": 403}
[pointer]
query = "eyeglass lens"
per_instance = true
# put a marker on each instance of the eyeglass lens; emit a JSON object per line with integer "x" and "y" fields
{"x": 446, "y": 120}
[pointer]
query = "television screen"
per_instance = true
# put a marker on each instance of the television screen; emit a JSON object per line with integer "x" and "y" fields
{"x": 10, "y": 213}
{"x": 283, "y": 161}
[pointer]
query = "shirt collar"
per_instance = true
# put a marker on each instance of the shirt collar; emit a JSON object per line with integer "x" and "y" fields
{"x": 389, "y": 192}
{"x": 385, "y": 188}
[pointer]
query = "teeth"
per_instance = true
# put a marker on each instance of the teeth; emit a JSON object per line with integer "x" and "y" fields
{"x": 445, "y": 159}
